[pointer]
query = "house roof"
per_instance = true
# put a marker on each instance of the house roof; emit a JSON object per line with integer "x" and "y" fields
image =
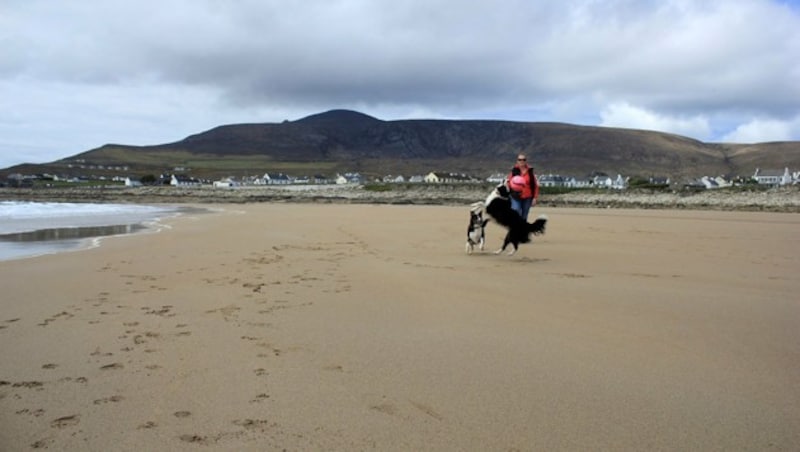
{"x": 277, "y": 176}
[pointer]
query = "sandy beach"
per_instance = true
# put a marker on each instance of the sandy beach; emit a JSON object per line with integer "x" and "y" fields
{"x": 278, "y": 326}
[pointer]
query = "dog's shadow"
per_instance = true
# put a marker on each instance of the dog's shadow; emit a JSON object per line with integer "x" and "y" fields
{"x": 514, "y": 259}
{"x": 532, "y": 260}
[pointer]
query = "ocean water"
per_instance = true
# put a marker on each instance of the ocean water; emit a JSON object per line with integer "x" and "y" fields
{"x": 35, "y": 228}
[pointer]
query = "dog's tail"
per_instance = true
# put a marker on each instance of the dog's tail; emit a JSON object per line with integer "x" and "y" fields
{"x": 538, "y": 226}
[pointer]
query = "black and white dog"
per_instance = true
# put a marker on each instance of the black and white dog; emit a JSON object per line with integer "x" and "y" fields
{"x": 498, "y": 207}
{"x": 476, "y": 230}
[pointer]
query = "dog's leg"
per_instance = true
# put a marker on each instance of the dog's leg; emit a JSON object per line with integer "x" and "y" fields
{"x": 468, "y": 248}
{"x": 507, "y": 241}
{"x": 502, "y": 248}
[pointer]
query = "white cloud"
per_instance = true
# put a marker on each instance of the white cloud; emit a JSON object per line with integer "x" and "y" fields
{"x": 763, "y": 130}
{"x": 632, "y": 117}
{"x": 62, "y": 119}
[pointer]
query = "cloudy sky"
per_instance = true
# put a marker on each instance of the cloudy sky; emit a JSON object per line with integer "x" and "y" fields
{"x": 75, "y": 75}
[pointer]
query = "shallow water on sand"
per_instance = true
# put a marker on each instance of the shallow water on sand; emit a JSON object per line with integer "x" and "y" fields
{"x": 32, "y": 229}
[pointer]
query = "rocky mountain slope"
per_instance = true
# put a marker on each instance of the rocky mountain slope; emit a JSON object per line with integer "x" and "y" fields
{"x": 343, "y": 140}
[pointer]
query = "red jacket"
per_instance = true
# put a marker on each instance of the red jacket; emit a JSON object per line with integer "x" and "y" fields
{"x": 531, "y": 189}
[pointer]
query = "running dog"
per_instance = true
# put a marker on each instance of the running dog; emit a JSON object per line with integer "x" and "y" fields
{"x": 476, "y": 230}
{"x": 498, "y": 208}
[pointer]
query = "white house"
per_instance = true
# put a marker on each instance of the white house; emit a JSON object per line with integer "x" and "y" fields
{"x": 438, "y": 178}
{"x": 620, "y": 183}
{"x": 659, "y": 180}
{"x": 132, "y": 182}
{"x": 393, "y": 179}
{"x": 349, "y": 178}
{"x": 581, "y": 182}
{"x": 184, "y": 181}
{"x": 496, "y": 178}
{"x": 601, "y": 181}
{"x": 276, "y": 179}
{"x": 432, "y": 178}
{"x": 225, "y": 183}
{"x": 715, "y": 182}
{"x": 773, "y": 177}
{"x": 555, "y": 180}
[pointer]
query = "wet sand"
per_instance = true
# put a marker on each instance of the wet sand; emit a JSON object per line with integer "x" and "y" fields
{"x": 367, "y": 327}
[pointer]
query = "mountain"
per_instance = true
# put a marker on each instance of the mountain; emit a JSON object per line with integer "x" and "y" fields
{"x": 343, "y": 140}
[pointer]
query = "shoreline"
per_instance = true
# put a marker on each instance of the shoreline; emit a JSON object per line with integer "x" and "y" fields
{"x": 59, "y": 234}
{"x": 784, "y": 199}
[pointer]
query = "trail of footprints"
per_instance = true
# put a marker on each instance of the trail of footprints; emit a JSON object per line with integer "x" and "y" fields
{"x": 106, "y": 360}
{"x": 268, "y": 280}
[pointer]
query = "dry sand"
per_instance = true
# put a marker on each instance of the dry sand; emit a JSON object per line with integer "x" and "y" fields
{"x": 364, "y": 327}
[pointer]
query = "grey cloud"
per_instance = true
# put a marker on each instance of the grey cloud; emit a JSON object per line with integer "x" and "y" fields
{"x": 654, "y": 53}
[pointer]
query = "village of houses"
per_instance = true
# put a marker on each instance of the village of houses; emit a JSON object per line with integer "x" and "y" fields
{"x": 771, "y": 178}
{"x": 178, "y": 178}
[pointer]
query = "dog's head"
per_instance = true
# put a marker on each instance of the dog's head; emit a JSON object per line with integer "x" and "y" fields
{"x": 502, "y": 190}
{"x": 476, "y": 206}
{"x": 475, "y": 217}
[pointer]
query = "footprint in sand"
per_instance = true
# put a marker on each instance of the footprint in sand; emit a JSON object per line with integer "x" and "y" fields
{"x": 427, "y": 410}
{"x": 182, "y": 414}
{"x": 112, "y": 399}
{"x": 386, "y": 408}
{"x": 98, "y": 352}
{"x": 253, "y": 423}
{"x": 66, "y": 421}
{"x": 260, "y": 398}
{"x": 42, "y": 443}
{"x": 196, "y": 439}
{"x": 164, "y": 311}
{"x": 570, "y": 275}
{"x": 35, "y": 413}
{"x": 61, "y": 314}
{"x": 112, "y": 366}
{"x": 255, "y": 287}
{"x": 23, "y": 384}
